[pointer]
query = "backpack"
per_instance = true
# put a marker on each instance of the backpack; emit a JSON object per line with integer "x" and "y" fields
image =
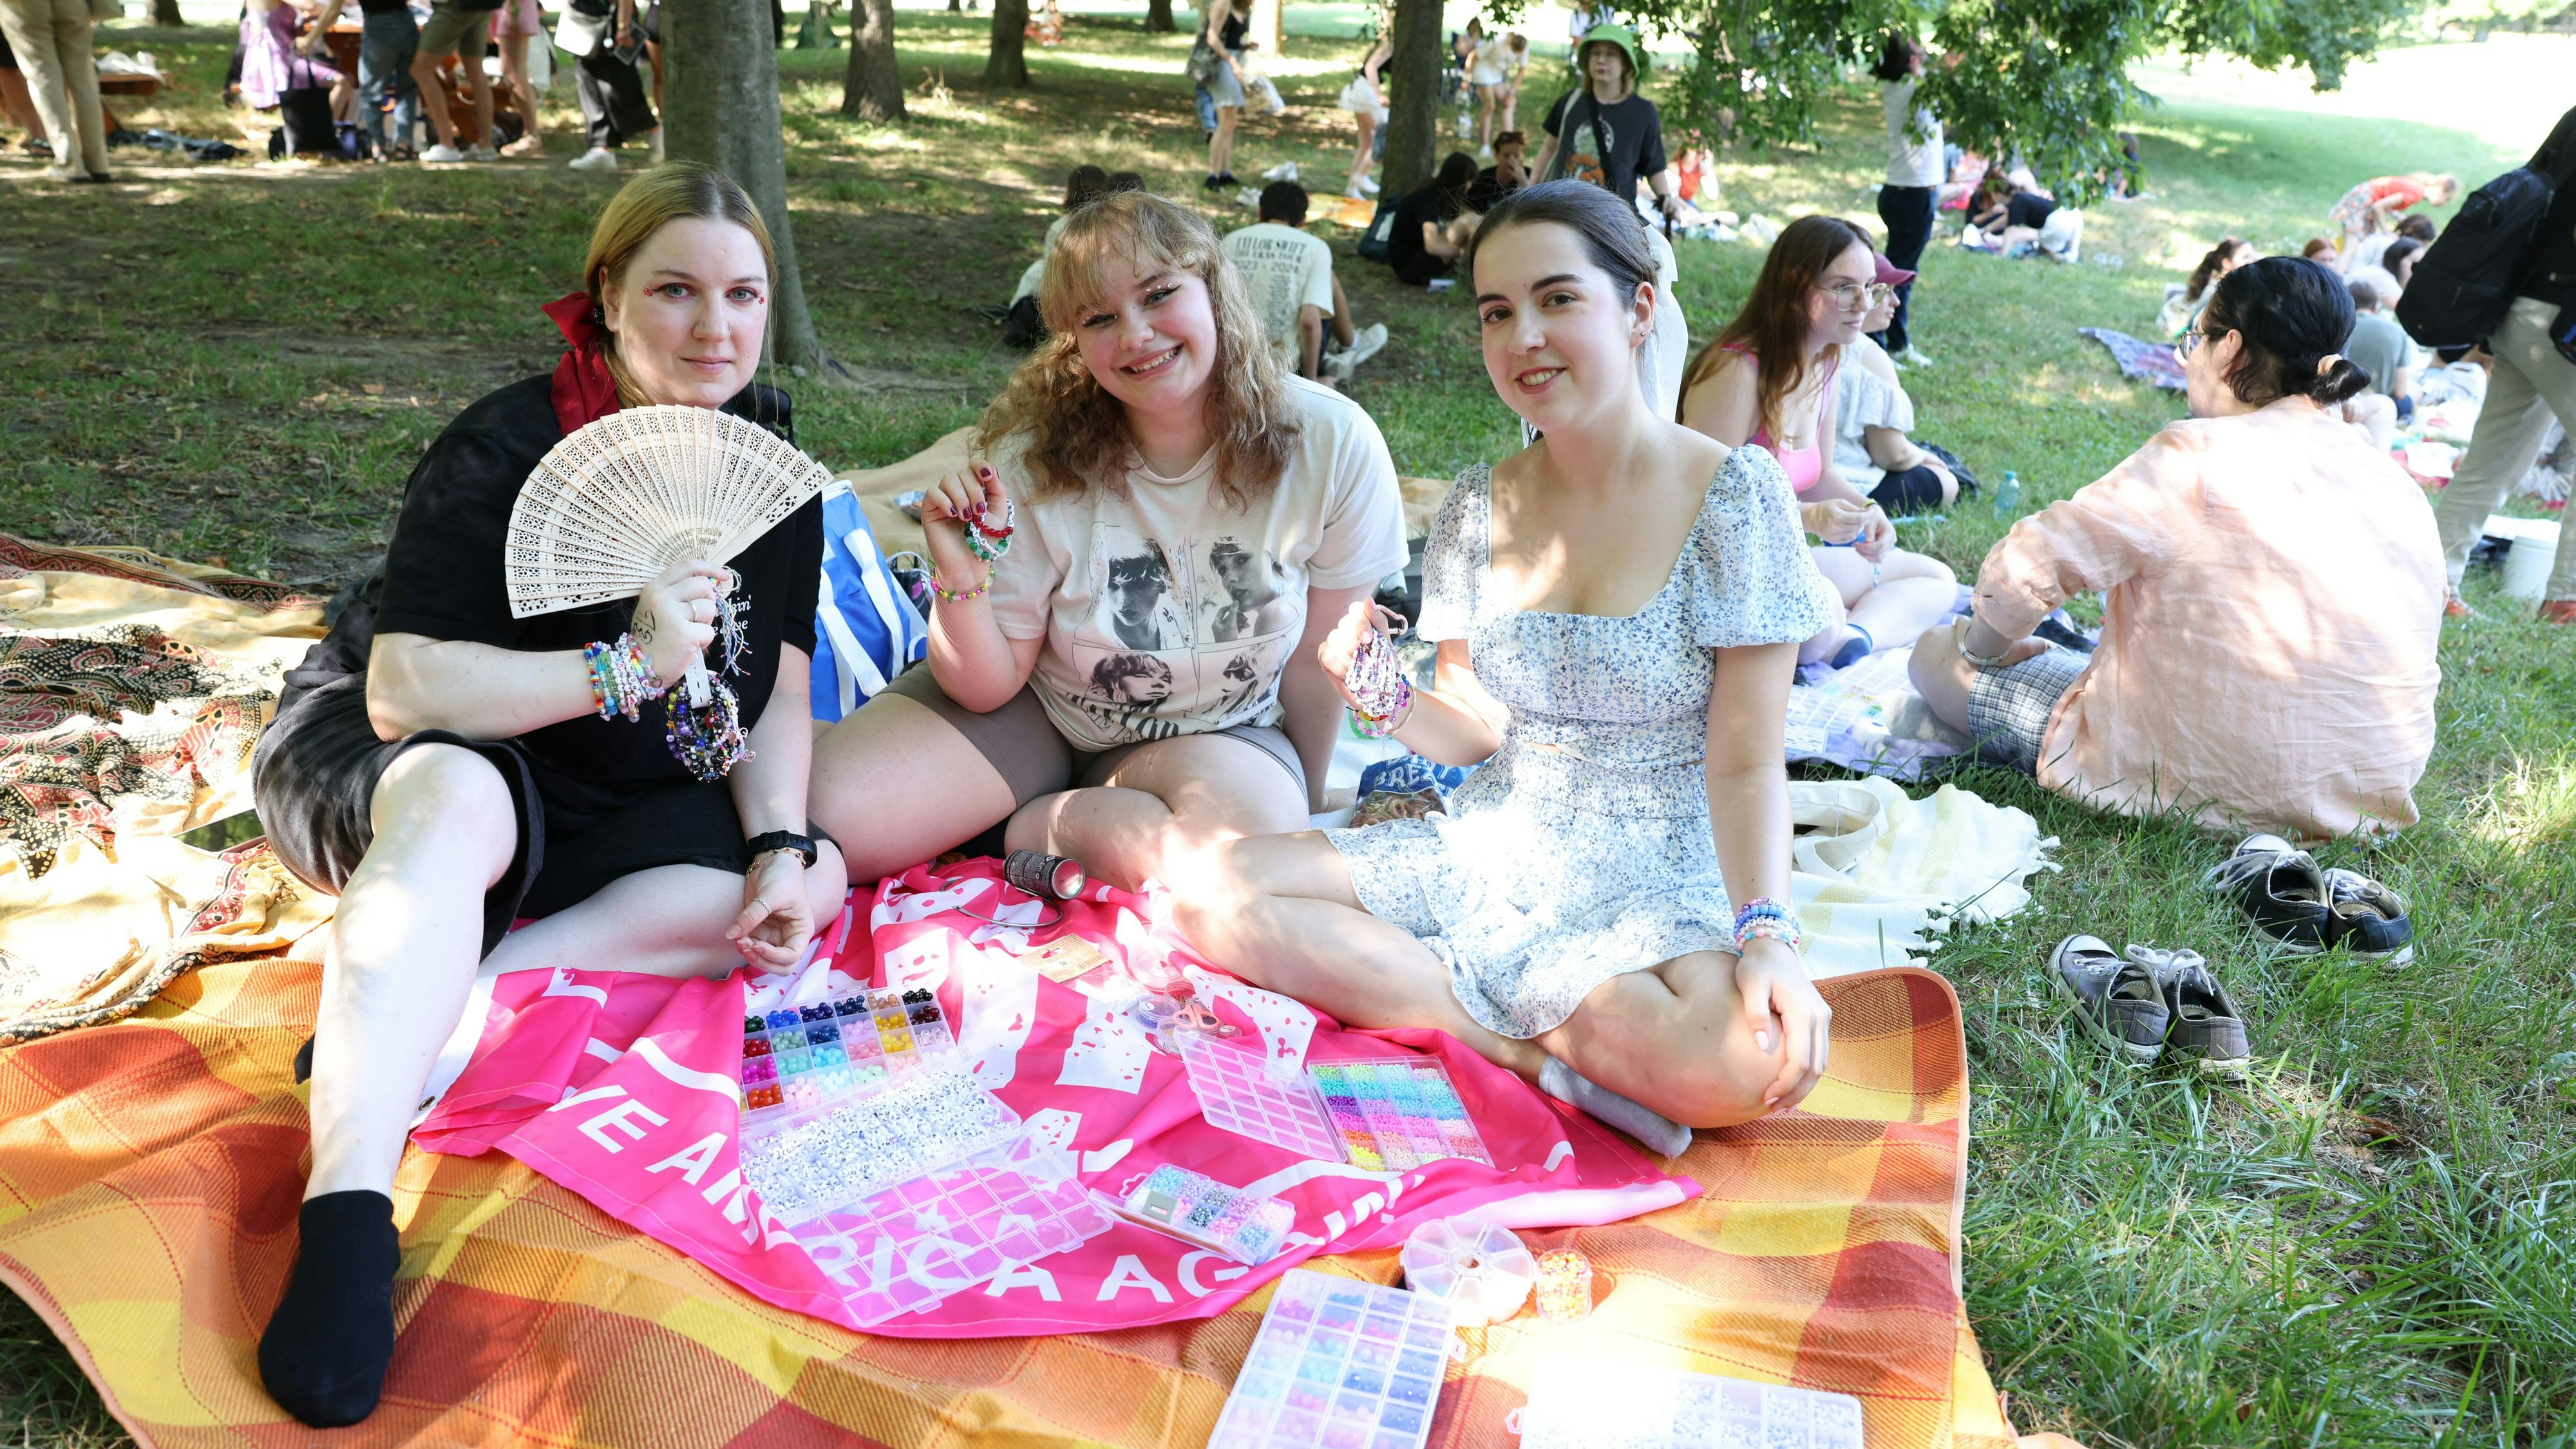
{"x": 1372, "y": 245}
{"x": 2465, "y": 282}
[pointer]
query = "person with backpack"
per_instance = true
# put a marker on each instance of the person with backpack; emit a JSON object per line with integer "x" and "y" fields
{"x": 2505, "y": 272}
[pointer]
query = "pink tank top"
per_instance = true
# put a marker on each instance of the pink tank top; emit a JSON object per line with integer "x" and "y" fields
{"x": 1803, "y": 465}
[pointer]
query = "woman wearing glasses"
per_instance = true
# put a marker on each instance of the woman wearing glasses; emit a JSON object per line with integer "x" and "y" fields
{"x": 2275, "y": 583}
{"x": 1768, "y": 382}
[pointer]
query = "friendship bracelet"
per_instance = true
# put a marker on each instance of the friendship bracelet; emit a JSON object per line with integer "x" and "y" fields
{"x": 1384, "y": 726}
{"x": 1770, "y": 928}
{"x": 1761, "y": 906}
{"x": 977, "y": 592}
{"x": 985, "y": 541}
{"x": 621, "y": 678}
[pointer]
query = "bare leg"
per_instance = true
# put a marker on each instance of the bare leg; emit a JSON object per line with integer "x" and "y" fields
{"x": 1366, "y": 156}
{"x": 1221, "y": 144}
{"x": 478, "y": 86}
{"x": 1162, "y": 809}
{"x": 1907, "y": 593}
{"x": 514, "y": 73}
{"x": 667, "y": 921}
{"x": 433, "y": 98}
{"x": 403, "y": 948}
{"x": 1280, "y": 912}
{"x": 896, "y": 785}
{"x": 1941, "y": 676}
{"x": 1343, "y": 332}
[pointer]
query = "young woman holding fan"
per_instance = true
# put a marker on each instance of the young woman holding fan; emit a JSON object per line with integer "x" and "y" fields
{"x": 445, "y": 768}
{"x": 1133, "y": 576}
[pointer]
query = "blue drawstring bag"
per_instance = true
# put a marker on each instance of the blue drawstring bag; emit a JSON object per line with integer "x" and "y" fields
{"x": 865, "y": 630}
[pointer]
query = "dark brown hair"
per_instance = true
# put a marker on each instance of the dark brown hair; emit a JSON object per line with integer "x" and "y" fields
{"x": 1773, "y": 325}
{"x": 2210, "y": 264}
{"x": 2292, "y": 314}
{"x": 1611, "y": 234}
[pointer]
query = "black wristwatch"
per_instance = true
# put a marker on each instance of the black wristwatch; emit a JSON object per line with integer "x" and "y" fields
{"x": 787, "y": 840}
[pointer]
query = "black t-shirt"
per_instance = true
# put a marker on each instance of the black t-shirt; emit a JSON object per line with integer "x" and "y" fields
{"x": 1487, "y": 191}
{"x": 443, "y": 579}
{"x": 1404, "y": 250}
{"x": 1630, "y": 140}
{"x": 2028, "y": 208}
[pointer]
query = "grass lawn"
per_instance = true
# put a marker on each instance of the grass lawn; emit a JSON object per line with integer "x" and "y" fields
{"x": 2368, "y": 1243}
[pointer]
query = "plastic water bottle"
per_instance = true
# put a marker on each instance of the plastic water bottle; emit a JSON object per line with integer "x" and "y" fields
{"x": 2008, "y": 495}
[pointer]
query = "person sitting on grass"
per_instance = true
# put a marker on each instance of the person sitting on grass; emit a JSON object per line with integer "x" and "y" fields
{"x": 1872, "y": 416}
{"x": 1615, "y": 607}
{"x": 445, "y": 768}
{"x": 2372, "y": 250}
{"x": 1767, "y": 381}
{"x": 1133, "y": 679}
{"x": 2375, "y": 205}
{"x": 1507, "y": 175}
{"x": 2267, "y": 657}
{"x": 2185, "y": 302}
{"x": 2010, "y": 215}
{"x": 1288, "y": 276}
{"x": 2380, "y": 348}
{"x": 1433, "y": 224}
{"x": 1021, "y": 325}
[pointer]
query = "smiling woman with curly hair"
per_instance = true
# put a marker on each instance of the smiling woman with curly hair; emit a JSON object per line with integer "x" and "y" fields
{"x": 1100, "y": 683}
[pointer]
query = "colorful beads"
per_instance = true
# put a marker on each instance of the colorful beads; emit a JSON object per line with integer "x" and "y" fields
{"x": 1246, "y": 1227}
{"x": 814, "y": 1054}
{"x": 1564, "y": 1285}
{"x": 621, "y": 679}
{"x": 807, "y": 1167}
{"x": 1398, "y": 1113}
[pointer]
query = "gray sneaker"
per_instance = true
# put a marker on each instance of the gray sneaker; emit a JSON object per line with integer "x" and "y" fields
{"x": 2120, "y": 999}
{"x": 2206, "y": 1024}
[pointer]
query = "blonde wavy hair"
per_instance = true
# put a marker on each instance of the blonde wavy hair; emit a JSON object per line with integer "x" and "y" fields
{"x": 672, "y": 191}
{"x": 1075, "y": 432}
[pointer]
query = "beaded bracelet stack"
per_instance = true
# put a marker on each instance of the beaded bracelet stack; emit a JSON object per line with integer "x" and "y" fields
{"x": 983, "y": 539}
{"x": 1381, "y": 697}
{"x": 621, "y": 678}
{"x": 1764, "y": 918}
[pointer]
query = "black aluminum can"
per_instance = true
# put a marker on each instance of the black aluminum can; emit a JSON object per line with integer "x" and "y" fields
{"x": 1041, "y": 874}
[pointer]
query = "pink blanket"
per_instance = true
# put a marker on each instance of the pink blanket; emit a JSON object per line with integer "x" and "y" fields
{"x": 623, "y": 1088}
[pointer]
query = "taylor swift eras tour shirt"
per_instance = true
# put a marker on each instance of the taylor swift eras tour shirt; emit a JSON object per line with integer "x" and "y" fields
{"x": 1166, "y": 612}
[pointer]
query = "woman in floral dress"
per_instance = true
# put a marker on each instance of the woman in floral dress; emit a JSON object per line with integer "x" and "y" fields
{"x": 1617, "y": 609}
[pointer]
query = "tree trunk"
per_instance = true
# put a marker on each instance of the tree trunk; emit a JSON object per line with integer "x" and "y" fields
{"x": 1008, "y": 66}
{"x": 955, "y": 9}
{"x": 722, "y": 111}
{"x": 1268, "y": 29}
{"x": 166, "y": 12}
{"x": 874, "y": 89}
{"x": 1158, "y": 17}
{"x": 1413, "y": 73}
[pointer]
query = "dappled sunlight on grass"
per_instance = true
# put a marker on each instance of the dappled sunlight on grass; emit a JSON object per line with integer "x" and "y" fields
{"x": 2530, "y": 807}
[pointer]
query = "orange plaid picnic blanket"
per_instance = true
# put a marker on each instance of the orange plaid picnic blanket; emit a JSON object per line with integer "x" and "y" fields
{"x": 150, "y": 1169}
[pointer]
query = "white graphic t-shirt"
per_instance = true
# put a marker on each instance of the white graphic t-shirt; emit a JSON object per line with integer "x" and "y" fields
{"x": 1167, "y": 613}
{"x": 1283, "y": 269}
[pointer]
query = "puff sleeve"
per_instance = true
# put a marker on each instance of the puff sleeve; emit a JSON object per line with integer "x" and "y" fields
{"x": 1751, "y": 580}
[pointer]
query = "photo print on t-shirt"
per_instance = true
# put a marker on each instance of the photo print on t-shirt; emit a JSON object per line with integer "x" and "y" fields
{"x": 1186, "y": 637}
{"x": 1582, "y": 159}
{"x": 1140, "y": 600}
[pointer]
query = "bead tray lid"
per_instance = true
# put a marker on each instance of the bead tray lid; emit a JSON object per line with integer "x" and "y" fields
{"x": 1237, "y": 1092}
{"x": 910, "y": 1246}
{"x": 1581, "y": 1403}
{"x": 798, "y": 1058}
{"x": 1339, "y": 1364}
{"x": 1394, "y": 1114}
{"x": 806, "y": 1164}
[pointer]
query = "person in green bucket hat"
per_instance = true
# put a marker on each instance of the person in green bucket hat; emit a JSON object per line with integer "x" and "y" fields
{"x": 1604, "y": 132}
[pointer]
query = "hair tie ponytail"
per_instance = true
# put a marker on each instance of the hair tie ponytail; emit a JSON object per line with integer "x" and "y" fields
{"x": 2326, "y": 363}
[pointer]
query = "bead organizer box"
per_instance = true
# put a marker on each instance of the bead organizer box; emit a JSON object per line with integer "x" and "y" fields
{"x": 1481, "y": 1268}
{"x": 910, "y": 1246}
{"x": 1339, "y": 1365}
{"x": 1246, "y": 1227}
{"x": 813, "y": 1162}
{"x": 1604, "y": 1404}
{"x": 1397, "y": 1113}
{"x": 797, "y": 1058}
{"x": 1237, "y": 1092}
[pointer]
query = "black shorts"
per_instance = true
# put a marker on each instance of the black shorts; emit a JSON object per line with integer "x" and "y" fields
{"x": 313, "y": 782}
{"x": 1914, "y": 490}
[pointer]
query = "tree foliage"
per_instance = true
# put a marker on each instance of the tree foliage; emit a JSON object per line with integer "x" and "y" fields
{"x": 2047, "y": 80}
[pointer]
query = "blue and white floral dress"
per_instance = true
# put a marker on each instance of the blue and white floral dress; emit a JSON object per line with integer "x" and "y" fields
{"x": 1582, "y": 849}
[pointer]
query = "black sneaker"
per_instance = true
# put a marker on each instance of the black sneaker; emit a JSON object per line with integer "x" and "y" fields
{"x": 2121, "y": 1001}
{"x": 2368, "y": 918}
{"x": 2281, "y": 887}
{"x": 1213, "y": 182}
{"x": 2206, "y": 1028}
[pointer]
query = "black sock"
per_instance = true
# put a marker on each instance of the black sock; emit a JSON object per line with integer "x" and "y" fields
{"x": 324, "y": 1353}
